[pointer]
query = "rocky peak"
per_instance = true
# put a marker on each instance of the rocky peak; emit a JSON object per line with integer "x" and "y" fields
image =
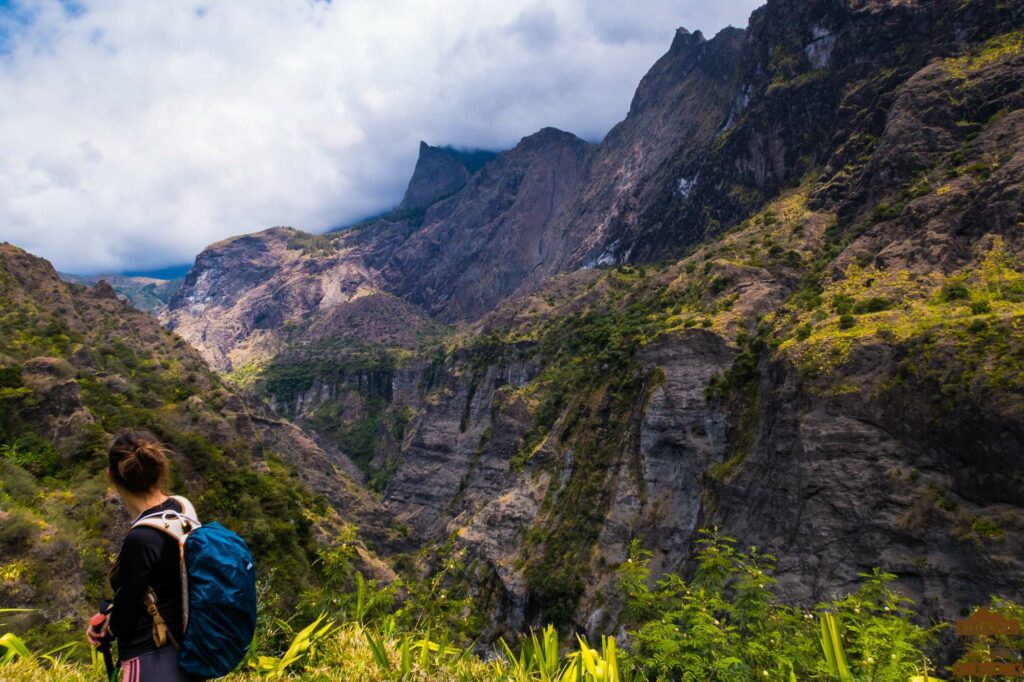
{"x": 439, "y": 173}
{"x": 502, "y": 225}
{"x": 684, "y": 40}
{"x": 544, "y": 139}
{"x": 688, "y": 51}
{"x": 102, "y": 289}
{"x": 225, "y": 270}
{"x": 681, "y": 104}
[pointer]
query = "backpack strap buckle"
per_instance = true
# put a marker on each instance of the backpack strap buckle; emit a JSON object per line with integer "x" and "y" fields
{"x": 161, "y": 633}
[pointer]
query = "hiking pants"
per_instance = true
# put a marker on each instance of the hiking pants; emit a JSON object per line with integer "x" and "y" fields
{"x": 155, "y": 666}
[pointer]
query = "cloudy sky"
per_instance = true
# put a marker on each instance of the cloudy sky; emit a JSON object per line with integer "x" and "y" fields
{"x": 135, "y": 132}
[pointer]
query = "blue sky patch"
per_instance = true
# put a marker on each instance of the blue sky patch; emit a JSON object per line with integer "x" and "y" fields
{"x": 17, "y": 16}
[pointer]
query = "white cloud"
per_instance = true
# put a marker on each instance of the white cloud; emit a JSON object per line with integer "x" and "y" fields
{"x": 135, "y": 132}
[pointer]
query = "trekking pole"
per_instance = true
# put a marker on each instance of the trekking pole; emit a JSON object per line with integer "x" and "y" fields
{"x": 104, "y": 647}
{"x": 108, "y": 659}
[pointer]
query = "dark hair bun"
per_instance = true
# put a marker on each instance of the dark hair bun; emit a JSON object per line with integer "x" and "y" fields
{"x": 138, "y": 461}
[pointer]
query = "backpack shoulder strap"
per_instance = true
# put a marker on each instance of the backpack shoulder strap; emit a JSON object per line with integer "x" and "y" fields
{"x": 178, "y": 525}
{"x": 187, "y": 509}
{"x": 171, "y": 526}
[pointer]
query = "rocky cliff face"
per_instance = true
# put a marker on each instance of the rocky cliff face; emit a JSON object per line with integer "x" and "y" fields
{"x": 249, "y": 296}
{"x": 506, "y": 223}
{"x": 810, "y": 335}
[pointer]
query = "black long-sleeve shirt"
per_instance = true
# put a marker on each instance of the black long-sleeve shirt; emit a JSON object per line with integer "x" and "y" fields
{"x": 148, "y": 558}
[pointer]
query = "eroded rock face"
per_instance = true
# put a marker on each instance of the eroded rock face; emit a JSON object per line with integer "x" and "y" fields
{"x": 247, "y": 296}
{"x": 462, "y": 445}
{"x": 680, "y": 436}
{"x": 469, "y": 432}
{"x": 505, "y": 224}
{"x": 836, "y": 486}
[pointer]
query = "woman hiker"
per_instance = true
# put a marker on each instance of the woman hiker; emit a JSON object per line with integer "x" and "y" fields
{"x": 146, "y": 615}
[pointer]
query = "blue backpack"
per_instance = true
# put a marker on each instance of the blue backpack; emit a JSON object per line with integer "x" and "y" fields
{"x": 218, "y": 591}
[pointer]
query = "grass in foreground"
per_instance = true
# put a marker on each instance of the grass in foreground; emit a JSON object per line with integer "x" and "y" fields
{"x": 725, "y": 623}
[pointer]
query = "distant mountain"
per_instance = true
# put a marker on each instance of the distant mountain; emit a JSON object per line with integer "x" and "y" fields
{"x": 145, "y": 292}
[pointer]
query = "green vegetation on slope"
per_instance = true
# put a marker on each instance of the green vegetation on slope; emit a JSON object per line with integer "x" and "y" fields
{"x": 962, "y": 331}
{"x": 74, "y": 369}
{"x": 591, "y": 386}
{"x": 723, "y": 624}
{"x": 354, "y": 412}
{"x": 340, "y": 385}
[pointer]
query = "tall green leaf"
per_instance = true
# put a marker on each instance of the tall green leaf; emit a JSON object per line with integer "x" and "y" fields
{"x": 832, "y": 645}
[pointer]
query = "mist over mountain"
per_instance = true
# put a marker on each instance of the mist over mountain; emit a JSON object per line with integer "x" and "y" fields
{"x": 216, "y": 118}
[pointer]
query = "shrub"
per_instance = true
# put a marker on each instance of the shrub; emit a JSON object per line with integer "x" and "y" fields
{"x": 16, "y": 531}
{"x": 954, "y": 290}
{"x": 726, "y": 622}
{"x": 1012, "y": 291}
{"x": 793, "y": 259}
{"x": 886, "y": 211}
{"x": 842, "y": 303}
{"x": 847, "y": 321}
{"x": 977, "y": 326}
{"x": 33, "y": 454}
{"x": 16, "y": 482}
{"x": 875, "y": 304}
